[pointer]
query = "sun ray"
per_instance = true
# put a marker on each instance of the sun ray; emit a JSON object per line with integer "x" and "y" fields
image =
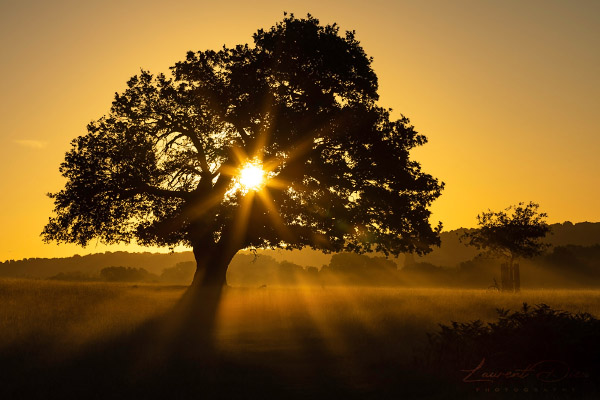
{"x": 241, "y": 221}
{"x": 278, "y": 223}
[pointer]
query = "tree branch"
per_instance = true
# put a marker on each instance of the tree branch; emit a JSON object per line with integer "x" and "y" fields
{"x": 201, "y": 154}
{"x": 166, "y": 193}
{"x": 197, "y": 144}
{"x": 245, "y": 137}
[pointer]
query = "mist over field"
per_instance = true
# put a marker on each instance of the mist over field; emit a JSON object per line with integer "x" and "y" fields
{"x": 573, "y": 261}
{"x": 289, "y": 342}
{"x": 304, "y": 323}
{"x": 292, "y": 323}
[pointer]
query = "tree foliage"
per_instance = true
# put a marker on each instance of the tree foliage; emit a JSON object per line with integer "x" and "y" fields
{"x": 161, "y": 167}
{"x": 515, "y": 232}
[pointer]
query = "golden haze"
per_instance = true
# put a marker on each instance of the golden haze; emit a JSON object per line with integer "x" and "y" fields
{"x": 507, "y": 92}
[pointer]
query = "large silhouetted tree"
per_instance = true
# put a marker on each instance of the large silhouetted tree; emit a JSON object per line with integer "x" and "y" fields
{"x": 162, "y": 167}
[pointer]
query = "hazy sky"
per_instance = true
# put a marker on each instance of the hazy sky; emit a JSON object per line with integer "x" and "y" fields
{"x": 508, "y": 92}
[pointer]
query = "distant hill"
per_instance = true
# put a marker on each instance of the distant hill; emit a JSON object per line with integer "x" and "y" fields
{"x": 579, "y": 234}
{"x": 450, "y": 254}
{"x": 91, "y": 264}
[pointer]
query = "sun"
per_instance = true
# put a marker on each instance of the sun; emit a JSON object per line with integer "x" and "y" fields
{"x": 252, "y": 176}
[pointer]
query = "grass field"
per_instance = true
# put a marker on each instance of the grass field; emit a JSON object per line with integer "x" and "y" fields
{"x": 301, "y": 341}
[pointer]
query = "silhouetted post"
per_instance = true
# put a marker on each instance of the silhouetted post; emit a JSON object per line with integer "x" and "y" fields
{"x": 510, "y": 277}
{"x": 516, "y": 278}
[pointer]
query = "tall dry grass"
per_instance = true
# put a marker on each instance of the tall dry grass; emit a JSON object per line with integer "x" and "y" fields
{"x": 67, "y": 316}
{"x": 272, "y": 343}
{"x": 341, "y": 319}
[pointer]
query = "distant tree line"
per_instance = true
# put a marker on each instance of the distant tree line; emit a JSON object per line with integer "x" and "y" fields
{"x": 452, "y": 265}
{"x": 110, "y": 274}
{"x": 563, "y": 266}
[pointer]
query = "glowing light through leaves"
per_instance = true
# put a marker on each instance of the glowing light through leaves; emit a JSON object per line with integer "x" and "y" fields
{"x": 252, "y": 176}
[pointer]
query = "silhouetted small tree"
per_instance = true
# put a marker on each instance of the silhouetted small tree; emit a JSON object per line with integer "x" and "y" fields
{"x": 513, "y": 233}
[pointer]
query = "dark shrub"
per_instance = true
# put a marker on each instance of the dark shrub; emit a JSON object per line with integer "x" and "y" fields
{"x": 127, "y": 274}
{"x": 533, "y": 347}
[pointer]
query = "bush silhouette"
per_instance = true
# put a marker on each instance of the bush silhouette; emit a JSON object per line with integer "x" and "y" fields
{"x": 180, "y": 273}
{"x": 127, "y": 274}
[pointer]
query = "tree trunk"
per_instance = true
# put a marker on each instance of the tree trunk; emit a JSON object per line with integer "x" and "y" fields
{"x": 193, "y": 319}
{"x": 211, "y": 266}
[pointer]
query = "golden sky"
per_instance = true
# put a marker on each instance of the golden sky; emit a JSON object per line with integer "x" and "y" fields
{"x": 507, "y": 92}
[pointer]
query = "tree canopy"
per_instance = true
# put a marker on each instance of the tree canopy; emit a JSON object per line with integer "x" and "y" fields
{"x": 515, "y": 232}
{"x": 162, "y": 167}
